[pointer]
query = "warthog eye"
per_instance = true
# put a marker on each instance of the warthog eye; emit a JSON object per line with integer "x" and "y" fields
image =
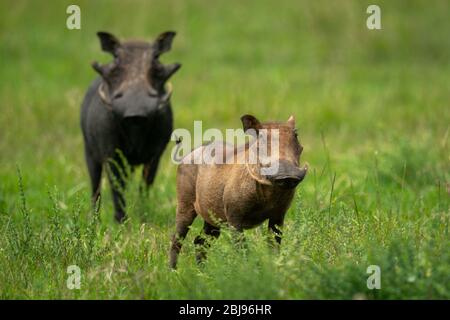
{"x": 118, "y": 95}
{"x": 296, "y": 133}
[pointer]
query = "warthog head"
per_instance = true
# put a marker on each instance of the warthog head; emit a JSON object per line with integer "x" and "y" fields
{"x": 280, "y": 162}
{"x": 134, "y": 82}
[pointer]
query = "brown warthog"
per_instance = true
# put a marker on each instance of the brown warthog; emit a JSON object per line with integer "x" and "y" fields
{"x": 244, "y": 192}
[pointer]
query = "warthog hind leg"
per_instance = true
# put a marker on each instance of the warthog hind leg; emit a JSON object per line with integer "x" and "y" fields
{"x": 184, "y": 219}
{"x": 202, "y": 243}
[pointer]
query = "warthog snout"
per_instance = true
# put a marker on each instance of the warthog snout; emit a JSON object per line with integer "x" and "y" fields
{"x": 134, "y": 105}
{"x": 288, "y": 175}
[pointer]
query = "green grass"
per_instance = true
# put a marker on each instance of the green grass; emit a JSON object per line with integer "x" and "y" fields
{"x": 373, "y": 114}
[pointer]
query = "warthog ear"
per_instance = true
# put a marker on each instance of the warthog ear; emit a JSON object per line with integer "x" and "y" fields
{"x": 250, "y": 122}
{"x": 164, "y": 42}
{"x": 291, "y": 121}
{"x": 109, "y": 42}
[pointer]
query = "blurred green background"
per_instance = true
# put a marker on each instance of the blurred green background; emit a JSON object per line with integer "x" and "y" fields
{"x": 372, "y": 108}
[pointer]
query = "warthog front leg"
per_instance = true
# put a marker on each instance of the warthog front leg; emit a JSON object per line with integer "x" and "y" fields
{"x": 95, "y": 173}
{"x": 117, "y": 178}
{"x": 275, "y": 225}
{"x": 234, "y": 220}
{"x": 150, "y": 169}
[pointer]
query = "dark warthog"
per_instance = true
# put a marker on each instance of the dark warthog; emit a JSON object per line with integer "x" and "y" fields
{"x": 243, "y": 193}
{"x": 127, "y": 108}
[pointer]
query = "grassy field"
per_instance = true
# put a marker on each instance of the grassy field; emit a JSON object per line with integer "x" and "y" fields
{"x": 373, "y": 114}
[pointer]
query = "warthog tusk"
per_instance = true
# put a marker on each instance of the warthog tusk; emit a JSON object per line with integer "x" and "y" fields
{"x": 102, "y": 94}
{"x": 257, "y": 177}
{"x": 306, "y": 166}
{"x": 166, "y": 97}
